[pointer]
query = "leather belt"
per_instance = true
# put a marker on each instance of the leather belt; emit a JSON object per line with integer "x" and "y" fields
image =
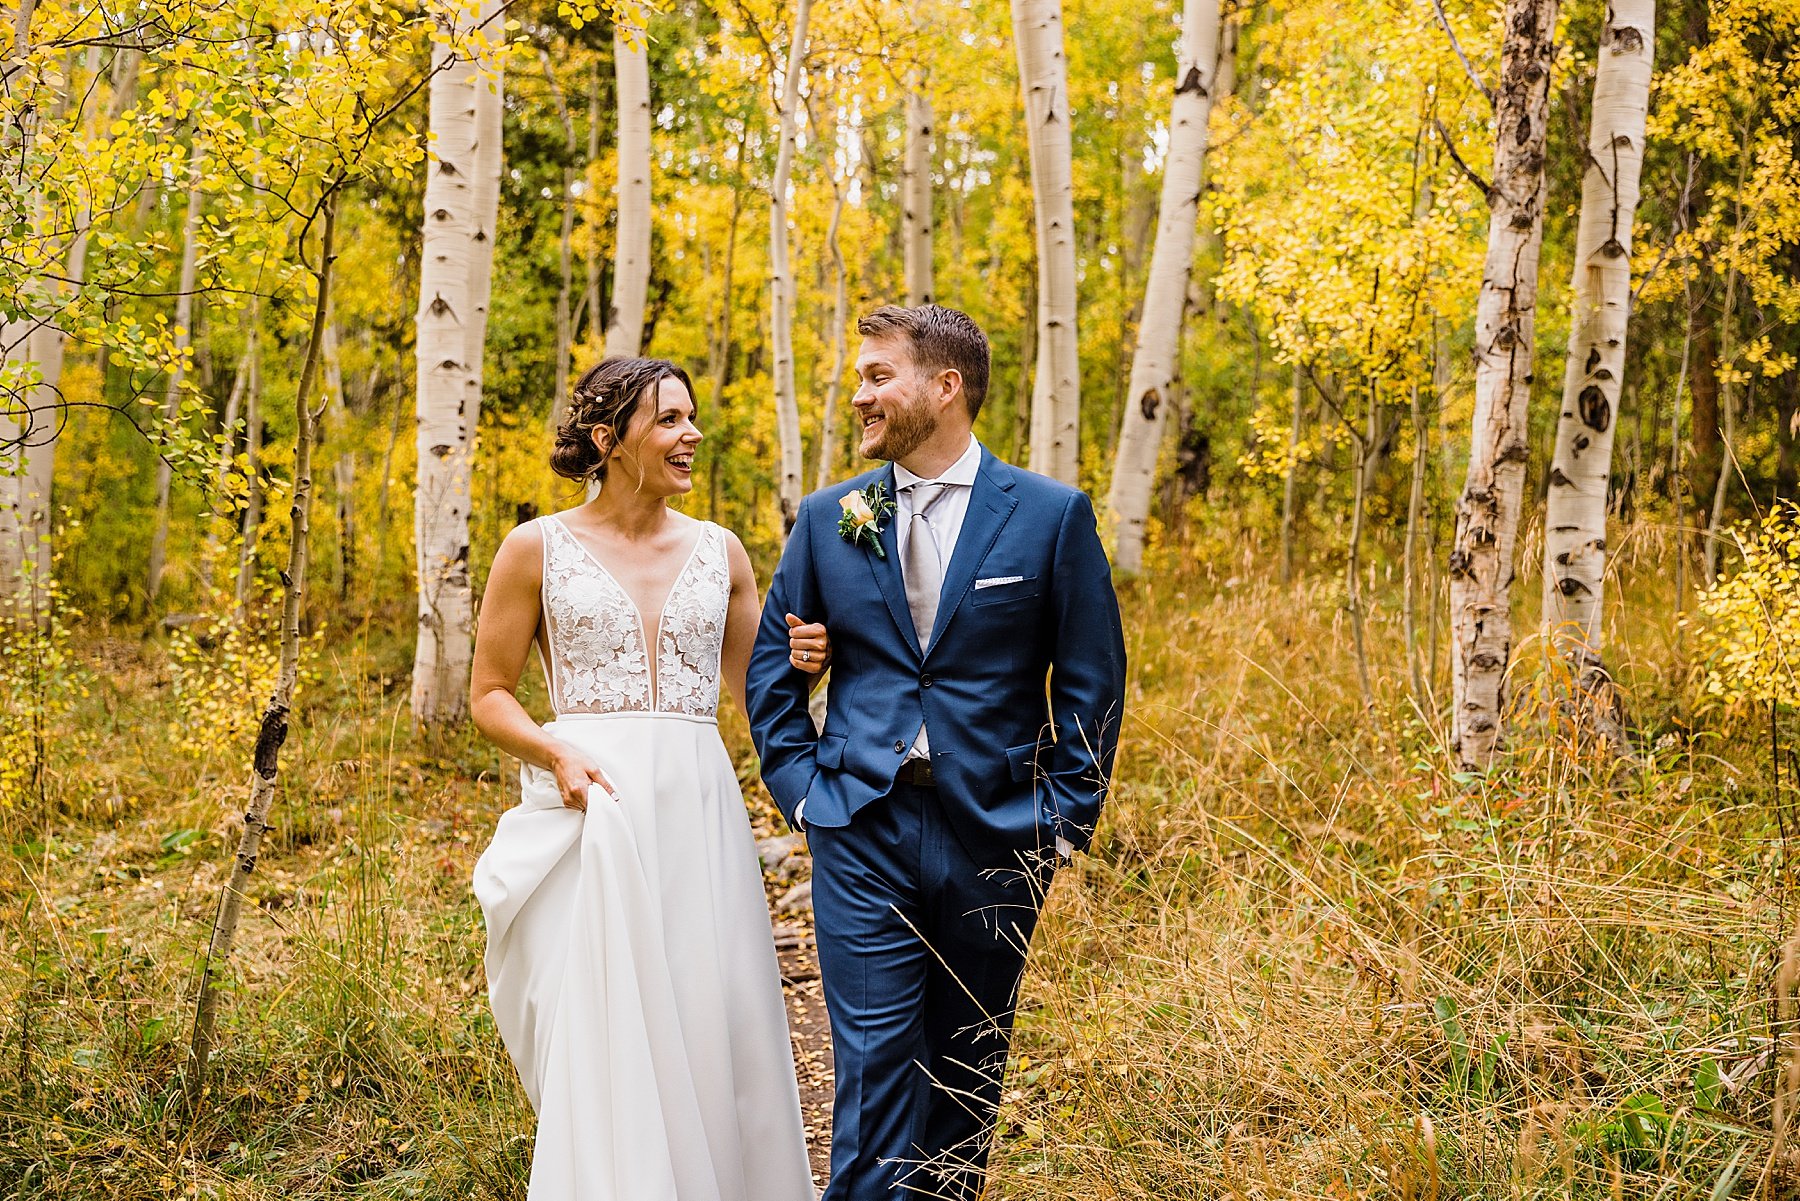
{"x": 916, "y": 772}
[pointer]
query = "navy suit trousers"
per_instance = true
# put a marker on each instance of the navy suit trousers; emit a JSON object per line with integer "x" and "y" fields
{"x": 921, "y": 947}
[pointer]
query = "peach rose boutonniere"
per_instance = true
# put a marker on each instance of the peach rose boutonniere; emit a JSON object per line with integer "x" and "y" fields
{"x": 864, "y": 511}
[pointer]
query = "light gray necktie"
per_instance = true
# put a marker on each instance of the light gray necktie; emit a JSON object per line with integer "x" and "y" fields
{"x": 922, "y": 566}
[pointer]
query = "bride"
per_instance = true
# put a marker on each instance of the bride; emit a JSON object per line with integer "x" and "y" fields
{"x": 630, "y": 961}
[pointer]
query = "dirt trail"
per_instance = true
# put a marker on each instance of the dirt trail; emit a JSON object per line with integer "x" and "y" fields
{"x": 811, "y": 1033}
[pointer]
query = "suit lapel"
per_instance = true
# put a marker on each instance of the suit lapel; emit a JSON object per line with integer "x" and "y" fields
{"x": 887, "y": 570}
{"x": 991, "y": 503}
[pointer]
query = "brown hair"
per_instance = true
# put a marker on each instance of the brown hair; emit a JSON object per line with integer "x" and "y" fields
{"x": 942, "y": 339}
{"x": 606, "y": 396}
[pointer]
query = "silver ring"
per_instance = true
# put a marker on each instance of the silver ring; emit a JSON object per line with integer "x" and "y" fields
{"x": 806, "y": 656}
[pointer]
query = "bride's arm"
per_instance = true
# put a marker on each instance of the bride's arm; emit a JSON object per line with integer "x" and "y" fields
{"x": 741, "y": 620}
{"x": 503, "y": 638}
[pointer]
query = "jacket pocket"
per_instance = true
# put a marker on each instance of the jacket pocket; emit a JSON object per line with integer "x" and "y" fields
{"x": 1000, "y": 594}
{"x": 1021, "y": 761}
{"x": 829, "y": 750}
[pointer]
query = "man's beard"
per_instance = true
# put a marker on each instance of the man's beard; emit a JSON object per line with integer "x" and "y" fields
{"x": 906, "y": 431}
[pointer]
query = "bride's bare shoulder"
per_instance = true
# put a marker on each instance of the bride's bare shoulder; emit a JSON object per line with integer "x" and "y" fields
{"x": 521, "y": 551}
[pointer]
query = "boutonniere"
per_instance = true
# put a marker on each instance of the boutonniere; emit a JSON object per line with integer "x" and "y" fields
{"x": 863, "y": 513}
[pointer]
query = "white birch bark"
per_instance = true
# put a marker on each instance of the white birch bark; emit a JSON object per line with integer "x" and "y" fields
{"x": 171, "y": 408}
{"x": 31, "y": 425}
{"x": 461, "y": 201}
{"x": 1056, "y": 390}
{"x": 1487, "y": 512}
{"x": 1156, "y": 363}
{"x": 631, "y": 263}
{"x": 1575, "y": 516}
{"x": 915, "y": 193}
{"x": 565, "y": 248}
{"x": 781, "y": 279}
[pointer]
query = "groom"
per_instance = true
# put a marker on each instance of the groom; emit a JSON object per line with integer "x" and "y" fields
{"x": 948, "y": 780}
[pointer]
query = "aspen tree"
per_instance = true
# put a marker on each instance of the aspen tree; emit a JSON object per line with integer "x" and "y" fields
{"x": 1156, "y": 363}
{"x": 1056, "y": 390}
{"x": 1482, "y": 559}
{"x": 1575, "y": 515}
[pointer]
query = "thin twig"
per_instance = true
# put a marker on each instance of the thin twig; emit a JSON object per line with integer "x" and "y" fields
{"x": 1474, "y": 76}
{"x": 1487, "y": 189}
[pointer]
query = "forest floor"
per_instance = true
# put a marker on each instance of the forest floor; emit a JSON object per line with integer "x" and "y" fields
{"x": 1306, "y": 958}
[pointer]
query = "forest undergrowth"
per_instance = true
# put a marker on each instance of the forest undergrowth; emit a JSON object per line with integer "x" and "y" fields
{"x": 1307, "y": 957}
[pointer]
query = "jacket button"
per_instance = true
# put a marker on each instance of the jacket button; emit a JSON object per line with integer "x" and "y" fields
{"x": 924, "y": 681}
{"x": 899, "y": 747}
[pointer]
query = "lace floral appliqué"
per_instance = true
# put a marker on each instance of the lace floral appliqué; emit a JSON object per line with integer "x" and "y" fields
{"x": 598, "y": 659}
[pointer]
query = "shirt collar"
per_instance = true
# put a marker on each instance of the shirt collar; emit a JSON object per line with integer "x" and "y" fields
{"x": 963, "y": 471}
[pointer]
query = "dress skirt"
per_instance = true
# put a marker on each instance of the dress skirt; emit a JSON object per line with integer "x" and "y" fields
{"x": 632, "y": 973}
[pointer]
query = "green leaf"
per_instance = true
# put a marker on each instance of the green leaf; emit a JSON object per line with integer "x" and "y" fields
{"x": 1444, "y": 1008}
{"x": 1708, "y": 1087}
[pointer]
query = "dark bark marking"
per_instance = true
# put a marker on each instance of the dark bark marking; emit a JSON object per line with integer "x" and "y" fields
{"x": 269, "y": 738}
{"x": 1596, "y": 410}
{"x": 1191, "y": 82}
{"x": 1149, "y": 403}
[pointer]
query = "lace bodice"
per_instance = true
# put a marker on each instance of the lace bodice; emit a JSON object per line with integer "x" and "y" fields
{"x": 599, "y": 662}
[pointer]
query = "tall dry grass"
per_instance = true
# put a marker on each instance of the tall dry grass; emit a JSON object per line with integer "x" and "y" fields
{"x": 1307, "y": 958}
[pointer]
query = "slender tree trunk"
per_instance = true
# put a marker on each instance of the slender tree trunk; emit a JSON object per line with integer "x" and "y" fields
{"x": 461, "y": 195}
{"x": 1575, "y": 515}
{"x": 234, "y": 407}
{"x": 781, "y": 279}
{"x": 1157, "y": 361}
{"x": 274, "y": 727}
{"x": 590, "y": 299}
{"x": 1028, "y": 358}
{"x": 31, "y": 425}
{"x": 343, "y": 467}
{"x": 1727, "y": 445}
{"x": 1415, "y": 512}
{"x": 840, "y": 317}
{"x": 1056, "y": 393}
{"x": 1487, "y": 513}
{"x": 251, "y": 526}
{"x": 915, "y": 192}
{"x": 559, "y": 397}
{"x": 383, "y": 492}
{"x": 1677, "y": 488}
{"x": 171, "y": 408}
{"x": 631, "y": 266}
{"x": 1289, "y": 484}
{"x": 719, "y": 366}
{"x": 1362, "y": 446}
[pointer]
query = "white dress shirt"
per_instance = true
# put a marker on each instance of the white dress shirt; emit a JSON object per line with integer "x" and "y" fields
{"x": 946, "y": 524}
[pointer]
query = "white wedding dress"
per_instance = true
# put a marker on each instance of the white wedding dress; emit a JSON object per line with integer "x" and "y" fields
{"x": 630, "y": 962}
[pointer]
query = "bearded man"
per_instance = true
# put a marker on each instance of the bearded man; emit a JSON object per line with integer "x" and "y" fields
{"x": 977, "y": 685}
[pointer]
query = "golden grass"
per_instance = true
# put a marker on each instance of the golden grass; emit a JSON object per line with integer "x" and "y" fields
{"x": 1307, "y": 958}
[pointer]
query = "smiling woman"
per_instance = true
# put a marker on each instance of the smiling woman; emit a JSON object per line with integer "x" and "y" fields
{"x": 608, "y": 971}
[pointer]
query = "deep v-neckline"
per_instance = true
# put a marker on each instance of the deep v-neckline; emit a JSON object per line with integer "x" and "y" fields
{"x": 652, "y": 650}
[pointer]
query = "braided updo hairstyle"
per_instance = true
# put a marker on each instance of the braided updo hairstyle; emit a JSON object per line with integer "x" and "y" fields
{"x": 606, "y": 397}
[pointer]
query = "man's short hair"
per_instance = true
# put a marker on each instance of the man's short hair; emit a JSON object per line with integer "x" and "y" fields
{"x": 941, "y": 339}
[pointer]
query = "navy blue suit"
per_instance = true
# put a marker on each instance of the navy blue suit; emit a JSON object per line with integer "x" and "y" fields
{"x": 926, "y": 897}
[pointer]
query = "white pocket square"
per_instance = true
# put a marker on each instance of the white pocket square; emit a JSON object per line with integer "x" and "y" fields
{"x": 996, "y": 581}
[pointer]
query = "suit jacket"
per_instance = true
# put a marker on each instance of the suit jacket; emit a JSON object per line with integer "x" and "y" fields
{"x": 1027, "y": 595}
